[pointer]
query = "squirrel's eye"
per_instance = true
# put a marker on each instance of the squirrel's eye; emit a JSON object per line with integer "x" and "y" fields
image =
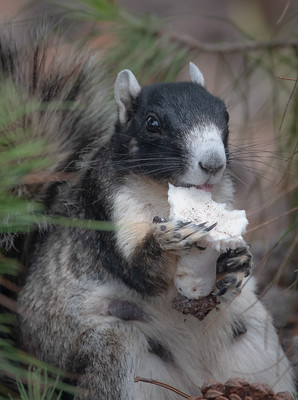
{"x": 152, "y": 124}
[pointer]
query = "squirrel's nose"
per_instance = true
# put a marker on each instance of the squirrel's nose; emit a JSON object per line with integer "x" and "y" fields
{"x": 212, "y": 165}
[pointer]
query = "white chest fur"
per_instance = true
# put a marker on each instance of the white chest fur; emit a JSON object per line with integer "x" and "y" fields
{"x": 135, "y": 206}
{"x": 201, "y": 349}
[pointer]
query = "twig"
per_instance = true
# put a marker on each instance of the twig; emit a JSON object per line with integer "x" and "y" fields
{"x": 284, "y": 12}
{"x": 47, "y": 177}
{"x": 234, "y": 47}
{"x": 9, "y": 285}
{"x": 285, "y": 259}
{"x": 164, "y": 385}
{"x": 287, "y": 105}
{"x": 8, "y": 303}
{"x": 272, "y": 220}
{"x": 287, "y": 79}
{"x": 289, "y": 161}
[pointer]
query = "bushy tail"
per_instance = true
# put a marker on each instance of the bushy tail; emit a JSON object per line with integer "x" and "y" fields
{"x": 54, "y": 92}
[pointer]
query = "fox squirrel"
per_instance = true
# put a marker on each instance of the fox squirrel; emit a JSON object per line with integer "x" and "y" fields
{"x": 98, "y": 303}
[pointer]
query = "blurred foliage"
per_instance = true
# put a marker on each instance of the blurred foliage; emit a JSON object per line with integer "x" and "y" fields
{"x": 131, "y": 41}
{"x": 20, "y": 154}
{"x": 39, "y": 386}
{"x": 17, "y": 157}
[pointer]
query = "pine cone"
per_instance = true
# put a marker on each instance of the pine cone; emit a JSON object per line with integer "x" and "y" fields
{"x": 239, "y": 389}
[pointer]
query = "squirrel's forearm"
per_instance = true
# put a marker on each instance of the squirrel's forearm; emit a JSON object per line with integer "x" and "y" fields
{"x": 150, "y": 267}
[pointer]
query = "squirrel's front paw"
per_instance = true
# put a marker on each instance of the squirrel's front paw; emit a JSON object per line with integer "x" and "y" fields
{"x": 178, "y": 236}
{"x": 231, "y": 268}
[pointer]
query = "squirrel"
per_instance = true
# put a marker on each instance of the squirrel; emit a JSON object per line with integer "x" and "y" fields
{"x": 97, "y": 303}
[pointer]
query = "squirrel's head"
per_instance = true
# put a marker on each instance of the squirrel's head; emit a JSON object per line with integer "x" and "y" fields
{"x": 177, "y": 132}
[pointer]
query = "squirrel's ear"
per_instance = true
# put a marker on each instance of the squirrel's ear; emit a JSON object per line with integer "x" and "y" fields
{"x": 196, "y": 75}
{"x": 126, "y": 90}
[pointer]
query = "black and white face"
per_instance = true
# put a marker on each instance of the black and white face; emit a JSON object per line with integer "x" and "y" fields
{"x": 176, "y": 132}
{"x": 207, "y": 155}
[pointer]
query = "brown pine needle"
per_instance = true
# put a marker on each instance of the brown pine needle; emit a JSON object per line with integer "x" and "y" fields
{"x": 162, "y": 384}
{"x": 284, "y": 12}
{"x": 287, "y": 79}
{"x": 272, "y": 220}
{"x": 287, "y": 105}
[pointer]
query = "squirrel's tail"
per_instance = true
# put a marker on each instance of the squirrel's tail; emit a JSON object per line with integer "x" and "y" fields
{"x": 55, "y": 92}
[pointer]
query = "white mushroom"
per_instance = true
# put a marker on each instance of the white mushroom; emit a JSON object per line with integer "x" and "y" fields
{"x": 196, "y": 272}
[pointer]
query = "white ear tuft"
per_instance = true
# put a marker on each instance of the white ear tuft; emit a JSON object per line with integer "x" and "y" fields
{"x": 196, "y": 75}
{"x": 126, "y": 89}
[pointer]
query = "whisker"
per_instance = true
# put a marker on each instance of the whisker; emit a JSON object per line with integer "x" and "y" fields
{"x": 233, "y": 175}
{"x": 140, "y": 164}
{"x": 255, "y": 167}
{"x": 158, "y": 145}
{"x": 255, "y": 172}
